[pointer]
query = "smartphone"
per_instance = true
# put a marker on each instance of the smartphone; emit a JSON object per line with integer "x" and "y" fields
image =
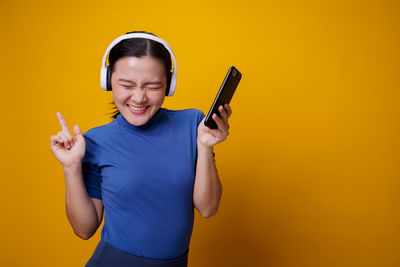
{"x": 224, "y": 95}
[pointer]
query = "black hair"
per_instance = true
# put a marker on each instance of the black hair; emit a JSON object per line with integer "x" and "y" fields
{"x": 139, "y": 47}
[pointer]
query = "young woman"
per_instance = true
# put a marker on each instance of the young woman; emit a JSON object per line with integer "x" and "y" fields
{"x": 147, "y": 169}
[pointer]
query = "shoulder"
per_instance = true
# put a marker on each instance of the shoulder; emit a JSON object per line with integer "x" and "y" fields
{"x": 185, "y": 114}
{"x": 99, "y": 132}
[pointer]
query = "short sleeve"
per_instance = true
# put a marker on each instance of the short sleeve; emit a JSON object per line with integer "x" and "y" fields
{"x": 90, "y": 170}
{"x": 200, "y": 117}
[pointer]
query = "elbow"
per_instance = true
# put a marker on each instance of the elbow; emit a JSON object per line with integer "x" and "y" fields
{"x": 83, "y": 235}
{"x": 83, "y": 231}
{"x": 209, "y": 213}
{"x": 209, "y": 209}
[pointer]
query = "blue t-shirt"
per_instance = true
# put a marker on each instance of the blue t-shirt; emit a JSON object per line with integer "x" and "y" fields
{"x": 145, "y": 177}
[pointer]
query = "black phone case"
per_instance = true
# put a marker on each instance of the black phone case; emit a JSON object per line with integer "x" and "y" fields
{"x": 224, "y": 95}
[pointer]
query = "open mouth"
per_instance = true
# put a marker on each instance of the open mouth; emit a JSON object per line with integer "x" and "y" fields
{"x": 138, "y": 110}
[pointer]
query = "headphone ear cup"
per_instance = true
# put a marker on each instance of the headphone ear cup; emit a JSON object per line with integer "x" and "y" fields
{"x": 109, "y": 88}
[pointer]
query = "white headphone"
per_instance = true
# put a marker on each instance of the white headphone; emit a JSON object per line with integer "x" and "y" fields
{"x": 105, "y": 74}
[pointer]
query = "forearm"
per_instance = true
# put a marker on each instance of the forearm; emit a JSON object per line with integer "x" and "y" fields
{"x": 80, "y": 209}
{"x": 207, "y": 187}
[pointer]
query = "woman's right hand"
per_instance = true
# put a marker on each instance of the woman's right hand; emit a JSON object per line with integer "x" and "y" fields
{"x": 67, "y": 150}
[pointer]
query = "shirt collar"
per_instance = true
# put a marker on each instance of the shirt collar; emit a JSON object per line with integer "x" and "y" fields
{"x": 148, "y": 125}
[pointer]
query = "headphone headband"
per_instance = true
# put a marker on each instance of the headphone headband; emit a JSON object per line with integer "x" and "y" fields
{"x": 105, "y": 75}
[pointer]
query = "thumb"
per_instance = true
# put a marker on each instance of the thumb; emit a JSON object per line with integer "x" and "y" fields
{"x": 78, "y": 133}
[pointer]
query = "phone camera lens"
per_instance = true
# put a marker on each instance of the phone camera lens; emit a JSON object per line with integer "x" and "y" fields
{"x": 234, "y": 72}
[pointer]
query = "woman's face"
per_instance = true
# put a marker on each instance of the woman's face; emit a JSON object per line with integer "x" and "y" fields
{"x": 138, "y": 86}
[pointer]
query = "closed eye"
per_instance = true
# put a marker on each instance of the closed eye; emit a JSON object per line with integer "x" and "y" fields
{"x": 148, "y": 87}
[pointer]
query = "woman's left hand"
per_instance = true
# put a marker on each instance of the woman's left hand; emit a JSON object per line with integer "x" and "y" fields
{"x": 209, "y": 137}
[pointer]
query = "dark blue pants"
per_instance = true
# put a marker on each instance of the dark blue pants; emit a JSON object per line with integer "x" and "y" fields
{"x": 108, "y": 256}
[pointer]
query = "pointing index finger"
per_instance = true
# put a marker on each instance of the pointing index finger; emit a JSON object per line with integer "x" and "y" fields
{"x": 62, "y": 121}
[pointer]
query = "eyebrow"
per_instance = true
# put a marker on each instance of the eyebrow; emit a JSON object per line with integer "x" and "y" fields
{"x": 123, "y": 80}
{"x": 147, "y": 83}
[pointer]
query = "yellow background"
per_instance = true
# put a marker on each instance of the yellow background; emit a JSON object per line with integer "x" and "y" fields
{"x": 310, "y": 170}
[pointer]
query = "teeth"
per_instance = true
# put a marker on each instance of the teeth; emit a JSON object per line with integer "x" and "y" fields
{"x": 135, "y": 108}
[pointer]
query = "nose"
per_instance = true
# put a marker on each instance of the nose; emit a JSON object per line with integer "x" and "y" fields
{"x": 139, "y": 96}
